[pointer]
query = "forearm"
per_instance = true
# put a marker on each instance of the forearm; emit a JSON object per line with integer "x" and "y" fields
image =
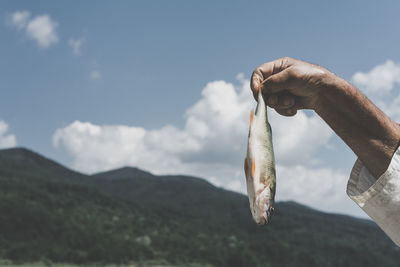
{"x": 372, "y": 135}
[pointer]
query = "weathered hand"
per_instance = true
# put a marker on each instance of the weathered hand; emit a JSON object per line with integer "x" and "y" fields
{"x": 289, "y": 85}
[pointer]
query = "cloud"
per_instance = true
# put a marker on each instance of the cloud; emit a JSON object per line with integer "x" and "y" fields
{"x": 211, "y": 144}
{"x": 19, "y": 19}
{"x": 297, "y": 139}
{"x": 380, "y": 80}
{"x": 94, "y": 75}
{"x": 310, "y": 185}
{"x": 41, "y": 29}
{"x": 323, "y": 188}
{"x": 381, "y": 85}
{"x": 6, "y": 140}
{"x": 76, "y": 45}
{"x": 215, "y": 132}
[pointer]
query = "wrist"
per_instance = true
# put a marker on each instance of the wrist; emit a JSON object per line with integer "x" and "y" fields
{"x": 331, "y": 89}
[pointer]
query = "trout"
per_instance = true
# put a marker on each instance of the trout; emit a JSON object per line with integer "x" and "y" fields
{"x": 259, "y": 165}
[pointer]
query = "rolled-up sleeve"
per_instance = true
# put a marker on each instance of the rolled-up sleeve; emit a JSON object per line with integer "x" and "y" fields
{"x": 379, "y": 198}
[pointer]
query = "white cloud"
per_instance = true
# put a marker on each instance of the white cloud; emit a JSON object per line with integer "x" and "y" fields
{"x": 19, "y": 19}
{"x": 41, "y": 29}
{"x": 212, "y": 144}
{"x": 319, "y": 187}
{"x": 382, "y": 85}
{"x": 6, "y": 140}
{"x": 310, "y": 185}
{"x": 380, "y": 80}
{"x": 297, "y": 139}
{"x": 94, "y": 75}
{"x": 215, "y": 132}
{"x": 76, "y": 45}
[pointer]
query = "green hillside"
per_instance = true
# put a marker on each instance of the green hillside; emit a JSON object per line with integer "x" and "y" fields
{"x": 51, "y": 213}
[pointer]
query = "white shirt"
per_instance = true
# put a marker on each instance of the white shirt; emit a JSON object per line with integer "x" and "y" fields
{"x": 380, "y": 199}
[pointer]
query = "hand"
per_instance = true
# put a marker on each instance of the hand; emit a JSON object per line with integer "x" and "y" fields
{"x": 289, "y": 85}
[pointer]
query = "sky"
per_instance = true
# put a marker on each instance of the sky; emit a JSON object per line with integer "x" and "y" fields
{"x": 164, "y": 85}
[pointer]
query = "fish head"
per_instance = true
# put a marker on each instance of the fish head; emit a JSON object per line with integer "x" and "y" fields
{"x": 262, "y": 206}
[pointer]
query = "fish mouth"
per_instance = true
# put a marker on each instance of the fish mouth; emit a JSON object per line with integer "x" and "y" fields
{"x": 263, "y": 221}
{"x": 265, "y": 218}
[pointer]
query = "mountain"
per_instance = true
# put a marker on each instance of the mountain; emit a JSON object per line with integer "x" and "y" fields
{"x": 49, "y": 212}
{"x": 21, "y": 161}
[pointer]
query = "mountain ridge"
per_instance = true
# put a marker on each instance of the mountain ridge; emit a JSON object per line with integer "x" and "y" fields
{"x": 128, "y": 172}
{"x": 120, "y": 174}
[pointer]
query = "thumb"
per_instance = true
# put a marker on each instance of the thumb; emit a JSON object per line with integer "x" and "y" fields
{"x": 278, "y": 82}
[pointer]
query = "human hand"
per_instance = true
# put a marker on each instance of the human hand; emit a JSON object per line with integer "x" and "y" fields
{"x": 288, "y": 84}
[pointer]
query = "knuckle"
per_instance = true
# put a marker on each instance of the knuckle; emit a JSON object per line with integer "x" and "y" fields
{"x": 286, "y": 60}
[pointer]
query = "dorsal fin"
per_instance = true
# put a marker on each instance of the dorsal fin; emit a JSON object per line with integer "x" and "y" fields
{"x": 251, "y": 117}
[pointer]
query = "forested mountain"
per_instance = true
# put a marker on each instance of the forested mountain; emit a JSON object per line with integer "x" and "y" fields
{"x": 49, "y": 212}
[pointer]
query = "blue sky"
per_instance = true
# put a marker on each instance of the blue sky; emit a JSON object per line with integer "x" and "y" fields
{"x": 140, "y": 86}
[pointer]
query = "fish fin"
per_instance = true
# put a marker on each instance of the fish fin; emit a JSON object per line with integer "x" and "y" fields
{"x": 251, "y": 117}
{"x": 266, "y": 180}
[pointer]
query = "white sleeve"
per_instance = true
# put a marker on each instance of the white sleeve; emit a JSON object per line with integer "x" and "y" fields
{"x": 380, "y": 199}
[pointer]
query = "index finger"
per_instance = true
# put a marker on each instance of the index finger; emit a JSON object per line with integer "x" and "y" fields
{"x": 266, "y": 70}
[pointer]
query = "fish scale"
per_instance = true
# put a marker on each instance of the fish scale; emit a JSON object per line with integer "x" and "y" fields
{"x": 259, "y": 165}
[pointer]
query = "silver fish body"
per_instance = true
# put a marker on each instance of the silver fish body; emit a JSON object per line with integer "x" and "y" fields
{"x": 259, "y": 165}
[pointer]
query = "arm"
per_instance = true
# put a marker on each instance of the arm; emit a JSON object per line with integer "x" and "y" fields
{"x": 371, "y": 135}
{"x": 290, "y": 85}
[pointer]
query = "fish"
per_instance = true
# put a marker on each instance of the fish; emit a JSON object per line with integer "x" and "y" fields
{"x": 259, "y": 165}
